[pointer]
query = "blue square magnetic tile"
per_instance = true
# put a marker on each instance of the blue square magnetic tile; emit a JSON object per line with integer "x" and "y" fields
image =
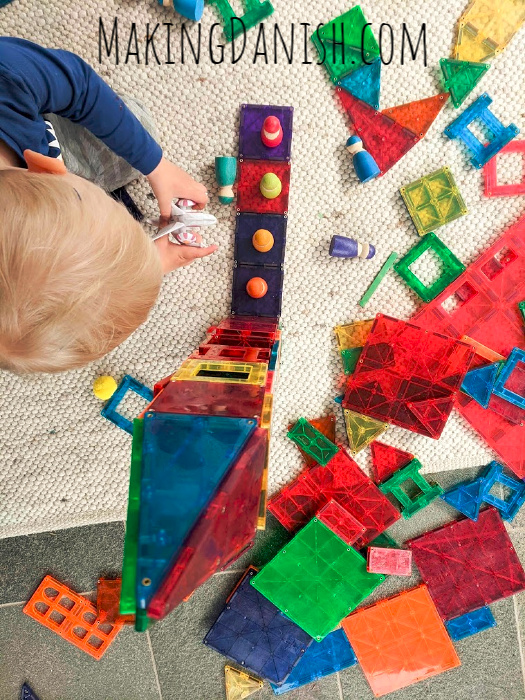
{"x": 321, "y": 659}
{"x": 110, "y": 409}
{"x": 510, "y": 383}
{"x": 470, "y": 623}
{"x": 507, "y": 507}
{"x": 251, "y": 146}
{"x": 246, "y": 226}
{"x": 268, "y": 305}
{"x": 184, "y": 459}
{"x": 254, "y": 633}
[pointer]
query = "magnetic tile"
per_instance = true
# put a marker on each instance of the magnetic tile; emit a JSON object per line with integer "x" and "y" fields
{"x": 249, "y": 197}
{"x": 245, "y": 227}
{"x": 312, "y": 441}
{"x": 361, "y": 430}
{"x": 222, "y": 371}
{"x": 250, "y": 143}
{"x": 256, "y": 12}
{"x": 466, "y": 497}
{"x": 214, "y": 351}
{"x": 240, "y": 685}
{"x": 479, "y": 383}
{"x": 326, "y": 426}
{"x": 510, "y": 382}
{"x": 110, "y": 410}
{"x": 463, "y": 578}
{"x": 387, "y": 459}
{"x": 316, "y": 579}
{"x": 411, "y": 489}
{"x": 418, "y": 116}
{"x": 461, "y": 77}
{"x": 341, "y": 522}
{"x": 509, "y": 506}
{"x": 470, "y": 623}
{"x": 485, "y": 29}
{"x": 490, "y": 173}
{"x": 364, "y": 82}
{"x": 388, "y": 560}
{"x": 400, "y": 641}
{"x": 268, "y": 305}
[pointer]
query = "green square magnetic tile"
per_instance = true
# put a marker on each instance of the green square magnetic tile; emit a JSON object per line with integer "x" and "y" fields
{"x": 316, "y": 579}
{"x": 350, "y": 358}
{"x": 359, "y": 44}
{"x": 433, "y": 201}
{"x": 451, "y": 270}
{"x": 312, "y": 441}
{"x": 403, "y": 481}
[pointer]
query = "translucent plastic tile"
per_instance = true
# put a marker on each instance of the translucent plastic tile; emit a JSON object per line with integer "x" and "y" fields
{"x": 249, "y": 326}
{"x": 223, "y": 530}
{"x": 451, "y": 267}
{"x": 340, "y": 521}
{"x": 471, "y": 623}
{"x": 387, "y": 560}
{"x": 490, "y": 172}
{"x": 224, "y": 372}
{"x": 110, "y": 410}
{"x": 411, "y": 489}
{"x": 245, "y": 227}
{"x": 479, "y": 383}
{"x": 249, "y": 197}
{"x": 400, "y": 641}
{"x": 361, "y": 430}
{"x": 316, "y": 579}
{"x": 214, "y": 351}
{"x": 466, "y": 497}
{"x": 364, "y": 83}
{"x": 418, "y": 116}
{"x": 353, "y": 335}
{"x": 326, "y": 426}
{"x": 253, "y": 633}
{"x": 256, "y": 11}
{"x": 514, "y": 491}
{"x": 108, "y": 601}
{"x": 357, "y": 44}
{"x": 26, "y": 693}
{"x": 500, "y": 135}
{"x": 245, "y": 305}
{"x": 184, "y": 459}
{"x": 461, "y": 77}
{"x": 350, "y": 358}
{"x": 485, "y": 28}
{"x": 252, "y": 121}
{"x": 468, "y": 564}
{"x": 510, "y": 382}
{"x": 407, "y": 376}
{"x": 72, "y": 617}
{"x": 343, "y": 481}
{"x": 512, "y": 413}
{"x": 433, "y": 201}
{"x": 312, "y": 441}
{"x": 240, "y": 685}
{"x": 332, "y": 654}
{"x": 385, "y": 139}
{"x": 386, "y": 460}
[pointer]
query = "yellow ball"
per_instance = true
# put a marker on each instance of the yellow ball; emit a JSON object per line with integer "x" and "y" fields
{"x": 270, "y": 186}
{"x": 104, "y": 388}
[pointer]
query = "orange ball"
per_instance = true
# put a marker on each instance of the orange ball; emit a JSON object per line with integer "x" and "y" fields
{"x": 256, "y": 287}
{"x": 262, "y": 240}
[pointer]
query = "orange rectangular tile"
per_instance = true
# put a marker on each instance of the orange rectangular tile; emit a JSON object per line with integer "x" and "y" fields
{"x": 400, "y": 641}
{"x": 71, "y": 616}
{"x": 108, "y": 602}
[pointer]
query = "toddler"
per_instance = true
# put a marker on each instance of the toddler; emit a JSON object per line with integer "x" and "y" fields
{"x": 77, "y": 273}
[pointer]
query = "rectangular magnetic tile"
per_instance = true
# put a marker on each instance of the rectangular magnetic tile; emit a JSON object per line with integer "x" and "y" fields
{"x": 252, "y": 121}
{"x": 249, "y": 197}
{"x": 247, "y": 225}
{"x": 76, "y": 556}
{"x": 268, "y": 305}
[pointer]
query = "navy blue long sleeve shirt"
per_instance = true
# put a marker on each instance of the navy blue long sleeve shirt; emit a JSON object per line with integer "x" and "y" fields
{"x": 34, "y": 81}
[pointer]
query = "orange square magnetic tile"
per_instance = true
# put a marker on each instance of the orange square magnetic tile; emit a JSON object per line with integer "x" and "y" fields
{"x": 71, "y": 616}
{"x": 400, "y": 641}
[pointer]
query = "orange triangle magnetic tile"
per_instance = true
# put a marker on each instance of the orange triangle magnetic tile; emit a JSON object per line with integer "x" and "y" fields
{"x": 418, "y": 116}
{"x": 385, "y": 139}
{"x": 240, "y": 685}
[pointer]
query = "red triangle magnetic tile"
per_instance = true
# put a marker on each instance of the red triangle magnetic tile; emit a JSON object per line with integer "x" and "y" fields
{"x": 386, "y": 460}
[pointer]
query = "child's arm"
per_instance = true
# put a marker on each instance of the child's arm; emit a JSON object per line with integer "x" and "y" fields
{"x": 34, "y": 81}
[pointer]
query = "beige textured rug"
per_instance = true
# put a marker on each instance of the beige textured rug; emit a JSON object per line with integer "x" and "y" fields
{"x": 61, "y": 464}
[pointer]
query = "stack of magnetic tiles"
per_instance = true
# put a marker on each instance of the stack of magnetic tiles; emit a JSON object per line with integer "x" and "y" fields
{"x": 200, "y": 450}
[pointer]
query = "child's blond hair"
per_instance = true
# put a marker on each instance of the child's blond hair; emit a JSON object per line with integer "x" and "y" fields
{"x": 76, "y": 278}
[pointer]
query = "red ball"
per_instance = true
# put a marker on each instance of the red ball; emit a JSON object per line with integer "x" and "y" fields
{"x": 256, "y": 287}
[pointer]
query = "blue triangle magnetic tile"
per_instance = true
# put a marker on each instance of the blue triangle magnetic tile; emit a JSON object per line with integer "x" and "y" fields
{"x": 478, "y": 383}
{"x": 27, "y": 694}
{"x": 470, "y": 623}
{"x": 184, "y": 459}
{"x": 467, "y": 497}
{"x": 364, "y": 83}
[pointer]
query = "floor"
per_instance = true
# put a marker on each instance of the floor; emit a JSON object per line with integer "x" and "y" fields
{"x": 170, "y": 662}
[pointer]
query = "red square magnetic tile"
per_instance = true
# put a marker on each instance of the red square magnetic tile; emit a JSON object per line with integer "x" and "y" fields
{"x": 490, "y": 172}
{"x": 407, "y": 376}
{"x": 249, "y": 197}
{"x": 468, "y": 564}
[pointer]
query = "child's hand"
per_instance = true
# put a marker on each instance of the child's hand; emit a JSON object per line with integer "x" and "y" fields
{"x": 169, "y": 182}
{"x": 173, "y": 256}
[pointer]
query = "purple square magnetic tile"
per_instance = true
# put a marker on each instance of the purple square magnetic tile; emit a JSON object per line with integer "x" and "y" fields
{"x": 252, "y": 120}
{"x": 268, "y": 305}
{"x": 246, "y": 226}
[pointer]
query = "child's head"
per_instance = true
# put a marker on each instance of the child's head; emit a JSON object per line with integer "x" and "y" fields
{"x": 77, "y": 273}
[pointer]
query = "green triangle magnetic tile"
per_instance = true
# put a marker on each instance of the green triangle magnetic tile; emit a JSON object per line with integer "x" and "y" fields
{"x": 361, "y": 430}
{"x": 403, "y": 482}
{"x": 461, "y": 77}
{"x": 433, "y": 201}
{"x": 364, "y": 83}
{"x": 357, "y": 44}
{"x": 451, "y": 267}
{"x": 350, "y": 357}
{"x": 466, "y": 497}
{"x": 316, "y": 580}
{"x": 478, "y": 383}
